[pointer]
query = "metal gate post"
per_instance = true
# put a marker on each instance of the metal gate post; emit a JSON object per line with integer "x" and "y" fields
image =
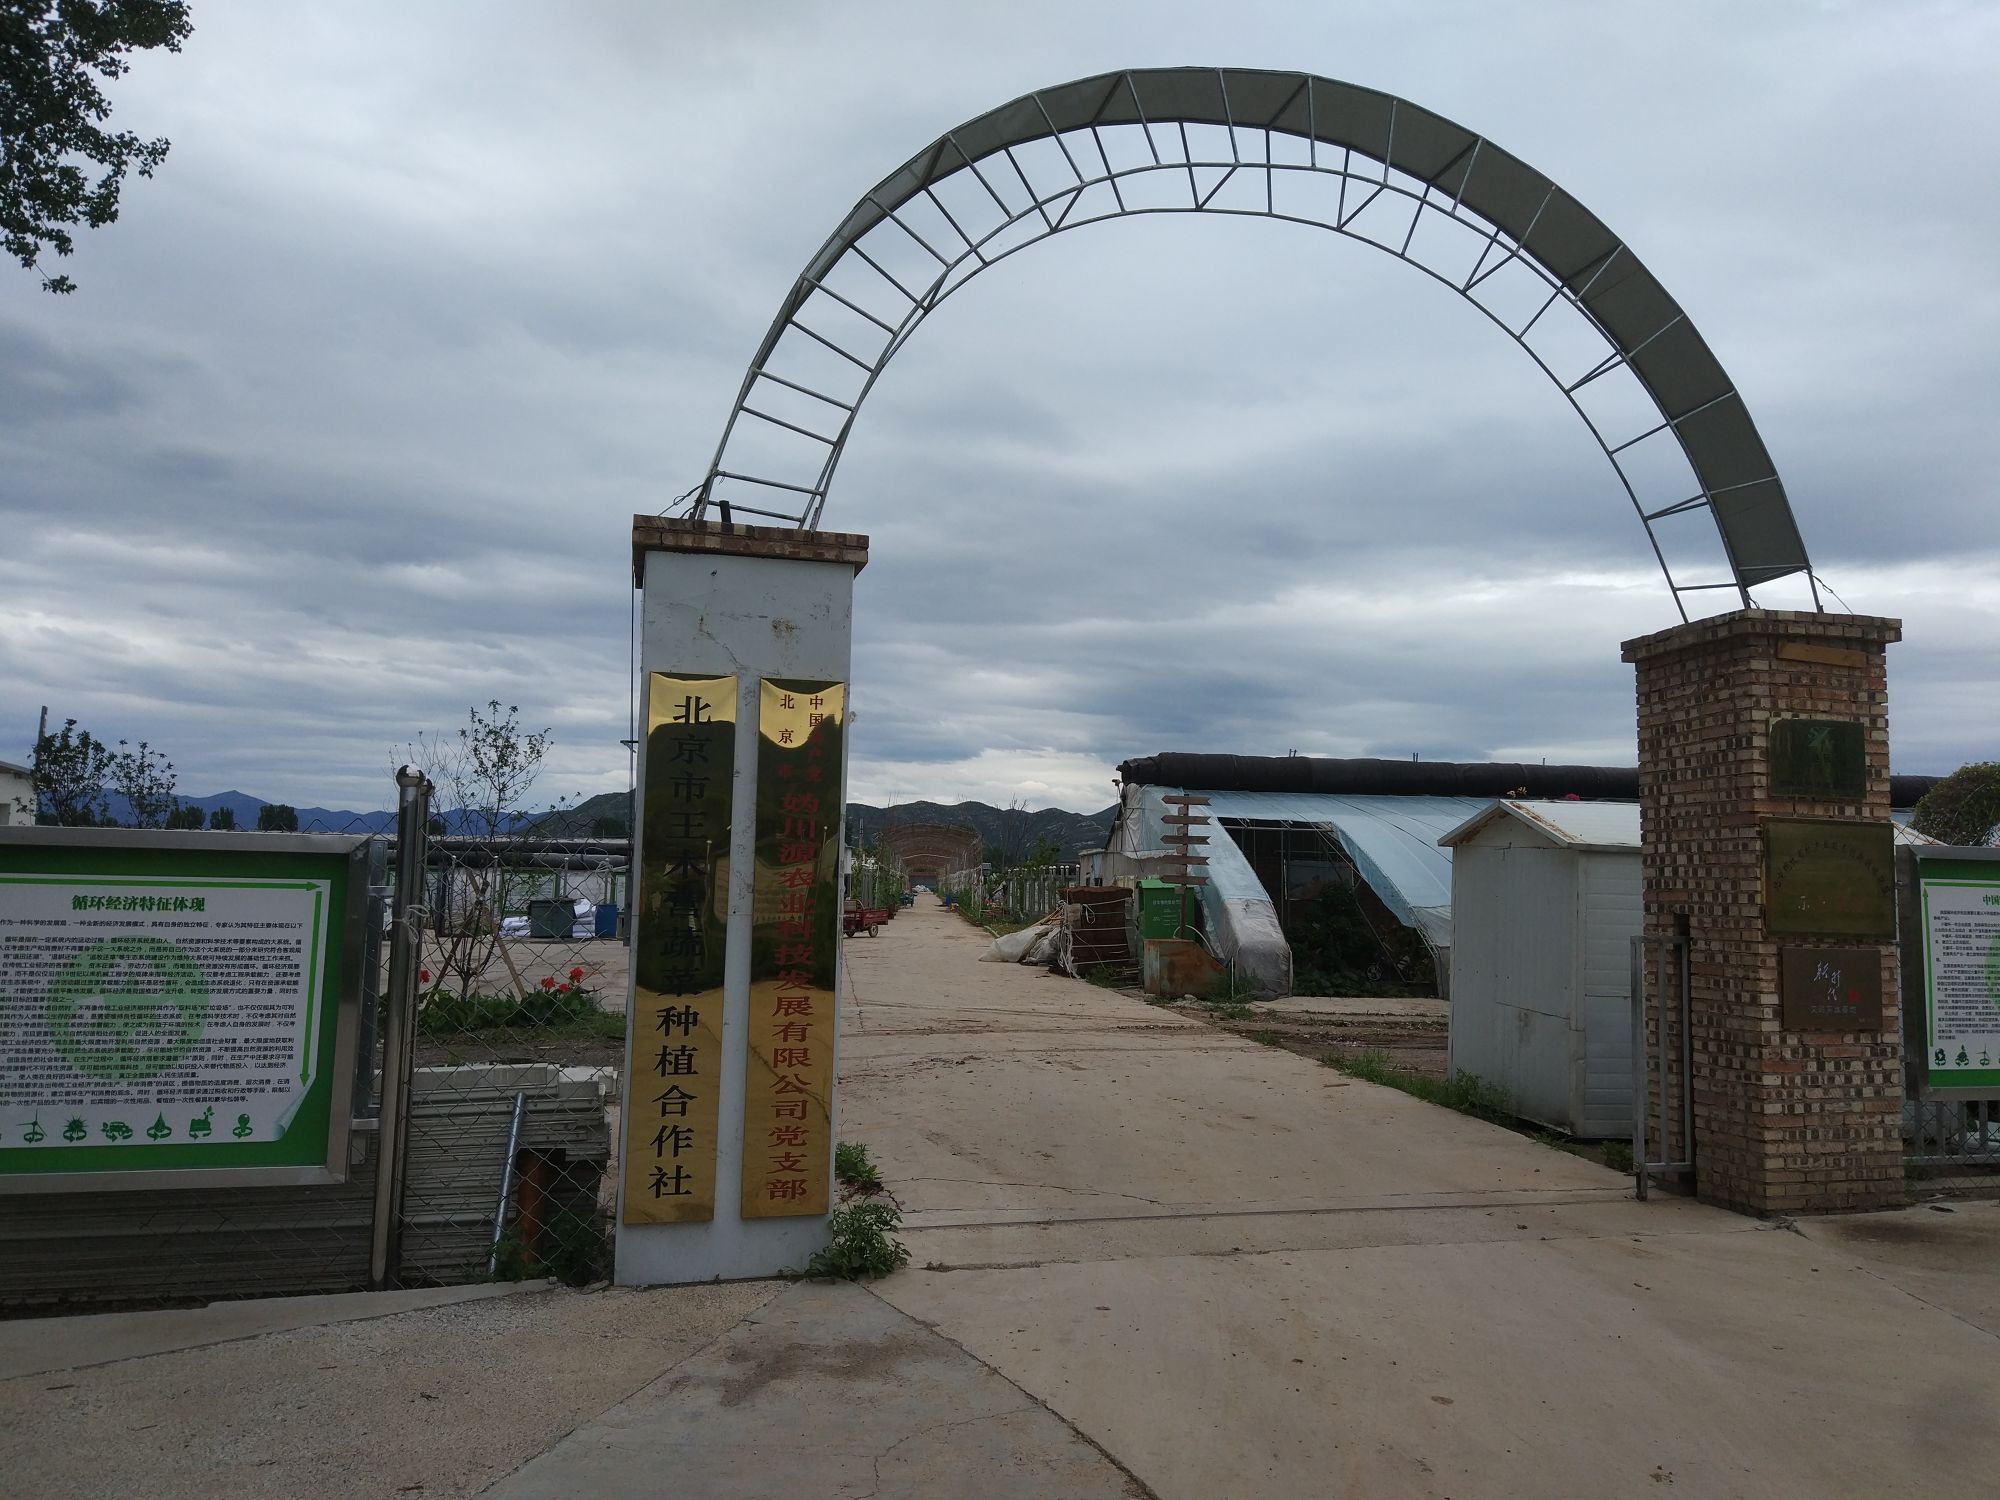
{"x": 413, "y": 808}
{"x": 1643, "y": 1060}
{"x": 1642, "y": 1069}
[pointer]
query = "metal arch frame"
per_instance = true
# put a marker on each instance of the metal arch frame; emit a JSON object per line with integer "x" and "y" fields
{"x": 1427, "y": 193}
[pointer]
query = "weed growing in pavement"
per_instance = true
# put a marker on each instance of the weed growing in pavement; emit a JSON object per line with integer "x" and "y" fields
{"x": 863, "y": 1244}
{"x": 1268, "y": 1038}
{"x": 1103, "y": 976}
{"x": 853, "y": 1166}
{"x": 1465, "y": 1092}
{"x": 1617, "y": 1155}
{"x": 1227, "y": 1010}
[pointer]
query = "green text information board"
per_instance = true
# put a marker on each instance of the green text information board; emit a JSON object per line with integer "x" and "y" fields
{"x": 166, "y": 1008}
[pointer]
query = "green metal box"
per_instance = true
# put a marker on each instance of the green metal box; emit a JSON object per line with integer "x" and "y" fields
{"x": 1159, "y": 909}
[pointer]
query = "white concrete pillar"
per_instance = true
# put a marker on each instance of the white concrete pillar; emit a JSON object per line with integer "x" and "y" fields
{"x": 752, "y": 603}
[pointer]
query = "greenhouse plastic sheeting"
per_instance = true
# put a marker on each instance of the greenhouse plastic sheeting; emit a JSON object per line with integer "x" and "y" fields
{"x": 1392, "y": 841}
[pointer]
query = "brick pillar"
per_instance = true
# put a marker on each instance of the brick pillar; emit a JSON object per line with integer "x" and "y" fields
{"x": 1785, "y": 1121}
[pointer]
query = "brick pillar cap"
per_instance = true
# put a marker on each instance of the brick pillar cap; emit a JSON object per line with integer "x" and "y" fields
{"x": 1766, "y": 624}
{"x": 678, "y": 534}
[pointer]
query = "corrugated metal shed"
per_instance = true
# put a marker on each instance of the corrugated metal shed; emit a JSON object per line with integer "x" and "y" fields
{"x": 1575, "y": 825}
{"x": 1607, "y": 826}
{"x": 1548, "y": 898}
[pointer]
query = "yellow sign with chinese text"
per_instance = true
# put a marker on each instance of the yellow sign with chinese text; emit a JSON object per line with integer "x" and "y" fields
{"x": 795, "y": 947}
{"x": 680, "y": 928}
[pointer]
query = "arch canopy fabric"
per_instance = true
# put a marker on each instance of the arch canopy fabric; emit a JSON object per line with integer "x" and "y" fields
{"x": 1423, "y": 158}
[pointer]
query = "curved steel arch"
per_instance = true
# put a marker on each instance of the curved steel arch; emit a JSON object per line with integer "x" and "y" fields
{"x": 1044, "y": 164}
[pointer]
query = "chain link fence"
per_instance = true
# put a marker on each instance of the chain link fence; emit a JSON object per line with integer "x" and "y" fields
{"x": 1951, "y": 1146}
{"x": 517, "y": 1038}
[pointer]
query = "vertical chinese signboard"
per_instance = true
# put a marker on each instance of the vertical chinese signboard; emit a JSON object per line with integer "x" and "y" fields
{"x": 795, "y": 944}
{"x": 1959, "y": 906}
{"x": 678, "y": 945}
{"x": 176, "y": 1009}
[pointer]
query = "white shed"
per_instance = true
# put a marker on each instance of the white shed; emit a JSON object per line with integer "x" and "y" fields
{"x": 1546, "y": 898}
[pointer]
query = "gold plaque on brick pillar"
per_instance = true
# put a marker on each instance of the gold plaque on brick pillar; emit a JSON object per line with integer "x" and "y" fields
{"x": 1829, "y": 878}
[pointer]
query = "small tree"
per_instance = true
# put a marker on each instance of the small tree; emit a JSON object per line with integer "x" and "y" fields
{"x": 145, "y": 778}
{"x": 482, "y": 776}
{"x": 222, "y": 820}
{"x": 1963, "y": 808}
{"x": 70, "y": 770}
{"x": 187, "y": 815}
{"x": 277, "y": 817}
{"x": 1046, "y": 854}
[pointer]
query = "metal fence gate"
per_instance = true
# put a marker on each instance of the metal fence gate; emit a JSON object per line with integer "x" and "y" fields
{"x": 1662, "y": 1060}
{"x": 504, "y": 1032}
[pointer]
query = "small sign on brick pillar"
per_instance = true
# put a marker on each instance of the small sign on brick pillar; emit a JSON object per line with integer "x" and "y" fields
{"x": 728, "y": 1104}
{"x": 1764, "y": 790}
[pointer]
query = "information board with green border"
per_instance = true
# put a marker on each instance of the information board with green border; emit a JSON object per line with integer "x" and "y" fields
{"x": 1959, "y": 916}
{"x": 176, "y": 1008}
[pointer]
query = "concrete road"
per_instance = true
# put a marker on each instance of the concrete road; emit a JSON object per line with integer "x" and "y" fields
{"x": 755, "y": 1390}
{"x": 1240, "y": 1273}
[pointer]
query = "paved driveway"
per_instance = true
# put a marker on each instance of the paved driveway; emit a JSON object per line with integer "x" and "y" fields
{"x": 1241, "y": 1273}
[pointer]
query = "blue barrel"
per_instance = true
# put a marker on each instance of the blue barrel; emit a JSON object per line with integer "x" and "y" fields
{"x": 607, "y": 921}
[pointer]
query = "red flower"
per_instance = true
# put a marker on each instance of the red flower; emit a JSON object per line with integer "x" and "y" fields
{"x": 549, "y": 983}
{"x": 576, "y": 976}
{"x": 423, "y": 976}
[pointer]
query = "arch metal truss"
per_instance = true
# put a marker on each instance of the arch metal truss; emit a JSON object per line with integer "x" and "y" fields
{"x": 1292, "y": 147}
{"x": 930, "y": 849}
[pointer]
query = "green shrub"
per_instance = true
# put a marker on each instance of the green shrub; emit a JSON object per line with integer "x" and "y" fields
{"x": 442, "y": 1014}
{"x": 853, "y": 1166}
{"x": 574, "y": 1249}
{"x": 863, "y": 1245}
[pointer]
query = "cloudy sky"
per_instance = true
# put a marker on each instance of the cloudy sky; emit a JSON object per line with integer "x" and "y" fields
{"x": 346, "y": 425}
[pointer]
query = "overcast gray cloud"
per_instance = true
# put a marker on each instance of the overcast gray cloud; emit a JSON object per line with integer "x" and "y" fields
{"x": 344, "y": 429}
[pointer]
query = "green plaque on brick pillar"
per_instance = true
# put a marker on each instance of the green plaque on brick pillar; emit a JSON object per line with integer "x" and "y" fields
{"x": 1825, "y": 759}
{"x": 1829, "y": 878}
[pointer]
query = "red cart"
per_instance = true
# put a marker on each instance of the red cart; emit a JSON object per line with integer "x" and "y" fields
{"x": 858, "y": 919}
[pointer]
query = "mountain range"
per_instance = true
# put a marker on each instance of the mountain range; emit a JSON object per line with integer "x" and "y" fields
{"x": 1012, "y": 831}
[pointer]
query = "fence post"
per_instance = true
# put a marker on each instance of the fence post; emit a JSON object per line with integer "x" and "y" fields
{"x": 413, "y": 808}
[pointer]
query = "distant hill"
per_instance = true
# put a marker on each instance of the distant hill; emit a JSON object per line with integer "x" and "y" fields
{"x": 603, "y": 816}
{"x": 1012, "y": 831}
{"x": 311, "y": 819}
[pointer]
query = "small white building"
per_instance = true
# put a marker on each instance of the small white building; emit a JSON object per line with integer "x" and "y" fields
{"x": 17, "y": 795}
{"x": 1546, "y": 899}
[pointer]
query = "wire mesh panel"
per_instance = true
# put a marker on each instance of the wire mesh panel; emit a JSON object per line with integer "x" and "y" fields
{"x": 518, "y": 1032}
{"x": 1952, "y": 1146}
